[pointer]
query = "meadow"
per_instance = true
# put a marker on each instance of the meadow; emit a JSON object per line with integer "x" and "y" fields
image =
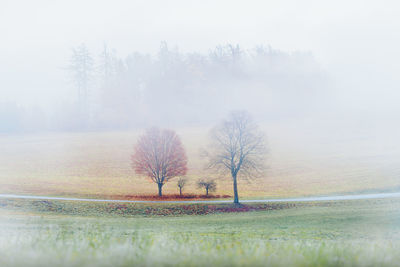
{"x": 97, "y": 165}
{"x": 63, "y": 233}
{"x": 304, "y": 159}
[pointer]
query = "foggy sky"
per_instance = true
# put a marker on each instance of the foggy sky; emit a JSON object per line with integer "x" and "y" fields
{"x": 356, "y": 42}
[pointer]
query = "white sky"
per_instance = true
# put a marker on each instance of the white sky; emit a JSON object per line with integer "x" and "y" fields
{"x": 356, "y": 41}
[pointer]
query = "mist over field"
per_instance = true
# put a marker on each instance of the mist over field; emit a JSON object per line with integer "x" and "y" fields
{"x": 320, "y": 78}
{"x": 199, "y": 133}
{"x": 186, "y": 64}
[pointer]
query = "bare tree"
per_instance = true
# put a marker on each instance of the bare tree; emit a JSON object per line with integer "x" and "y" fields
{"x": 238, "y": 148}
{"x": 208, "y": 184}
{"x": 159, "y": 155}
{"x": 181, "y": 184}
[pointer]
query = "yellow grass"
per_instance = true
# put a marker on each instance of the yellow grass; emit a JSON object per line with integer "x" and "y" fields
{"x": 98, "y": 164}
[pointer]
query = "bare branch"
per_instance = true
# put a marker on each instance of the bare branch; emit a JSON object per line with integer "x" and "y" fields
{"x": 237, "y": 148}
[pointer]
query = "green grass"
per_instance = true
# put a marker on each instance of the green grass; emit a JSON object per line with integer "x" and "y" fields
{"x": 346, "y": 233}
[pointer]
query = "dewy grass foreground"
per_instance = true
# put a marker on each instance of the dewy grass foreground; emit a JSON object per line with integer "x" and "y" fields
{"x": 350, "y": 233}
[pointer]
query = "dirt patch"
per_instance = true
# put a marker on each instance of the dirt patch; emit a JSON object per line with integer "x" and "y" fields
{"x": 203, "y": 209}
{"x": 131, "y": 209}
{"x": 166, "y": 197}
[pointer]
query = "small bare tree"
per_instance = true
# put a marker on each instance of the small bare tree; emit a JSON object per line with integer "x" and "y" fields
{"x": 237, "y": 147}
{"x": 209, "y": 185}
{"x": 181, "y": 184}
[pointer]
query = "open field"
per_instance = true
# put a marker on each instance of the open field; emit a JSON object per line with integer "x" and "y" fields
{"x": 97, "y": 165}
{"x": 61, "y": 233}
{"x": 301, "y": 162}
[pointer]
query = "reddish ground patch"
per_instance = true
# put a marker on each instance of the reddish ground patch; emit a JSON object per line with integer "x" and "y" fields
{"x": 166, "y": 197}
{"x": 203, "y": 209}
{"x": 132, "y": 209}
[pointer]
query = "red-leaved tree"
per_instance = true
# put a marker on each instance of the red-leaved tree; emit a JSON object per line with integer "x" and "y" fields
{"x": 159, "y": 155}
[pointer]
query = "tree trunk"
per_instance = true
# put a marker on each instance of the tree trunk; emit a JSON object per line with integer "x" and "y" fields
{"x": 235, "y": 191}
{"x": 206, "y": 191}
{"x": 180, "y": 191}
{"x": 160, "y": 189}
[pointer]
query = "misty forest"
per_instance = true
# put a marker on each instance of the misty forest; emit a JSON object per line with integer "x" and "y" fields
{"x": 172, "y": 88}
{"x": 199, "y": 133}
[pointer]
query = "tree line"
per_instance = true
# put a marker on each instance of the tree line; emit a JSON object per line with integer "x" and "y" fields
{"x": 171, "y": 87}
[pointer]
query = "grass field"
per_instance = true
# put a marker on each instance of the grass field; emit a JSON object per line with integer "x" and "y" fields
{"x": 62, "y": 233}
{"x": 301, "y": 162}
